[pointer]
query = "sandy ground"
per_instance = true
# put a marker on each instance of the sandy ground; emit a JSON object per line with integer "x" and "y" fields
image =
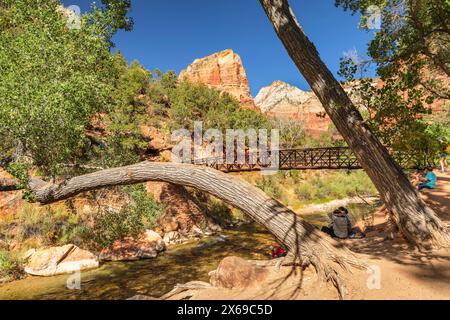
{"x": 396, "y": 270}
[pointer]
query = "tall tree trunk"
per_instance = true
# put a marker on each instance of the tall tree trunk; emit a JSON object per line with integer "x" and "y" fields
{"x": 418, "y": 223}
{"x": 306, "y": 244}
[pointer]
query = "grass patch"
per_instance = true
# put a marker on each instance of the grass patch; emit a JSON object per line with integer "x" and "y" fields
{"x": 339, "y": 185}
{"x": 299, "y": 188}
{"x": 117, "y": 213}
{"x": 10, "y": 265}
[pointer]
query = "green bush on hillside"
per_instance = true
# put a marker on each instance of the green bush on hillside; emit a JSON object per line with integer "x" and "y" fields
{"x": 270, "y": 185}
{"x": 196, "y": 102}
{"x": 139, "y": 213}
{"x": 10, "y": 265}
{"x": 37, "y": 226}
{"x": 335, "y": 186}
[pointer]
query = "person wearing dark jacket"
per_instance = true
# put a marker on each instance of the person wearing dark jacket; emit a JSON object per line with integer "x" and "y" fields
{"x": 341, "y": 226}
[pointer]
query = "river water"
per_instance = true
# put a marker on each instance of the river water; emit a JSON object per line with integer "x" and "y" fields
{"x": 155, "y": 277}
{"x": 152, "y": 277}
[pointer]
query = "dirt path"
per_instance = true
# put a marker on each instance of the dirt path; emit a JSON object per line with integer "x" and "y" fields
{"x": 397, "y": 271}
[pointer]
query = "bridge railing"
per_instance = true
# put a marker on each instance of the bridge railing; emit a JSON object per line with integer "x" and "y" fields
{"x": 307, "y": 159}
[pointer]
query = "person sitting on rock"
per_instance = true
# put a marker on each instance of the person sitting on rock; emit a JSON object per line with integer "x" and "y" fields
{"x": 429, "y": 182}
{"x": 341, "y": 226}
{"x": 277, "y": 252}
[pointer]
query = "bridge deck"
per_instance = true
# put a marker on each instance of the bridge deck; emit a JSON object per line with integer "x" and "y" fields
{"x": 308, "y": 159}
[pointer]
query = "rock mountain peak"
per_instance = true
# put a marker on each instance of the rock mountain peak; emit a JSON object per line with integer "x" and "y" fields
{"x": 223, "y": 71}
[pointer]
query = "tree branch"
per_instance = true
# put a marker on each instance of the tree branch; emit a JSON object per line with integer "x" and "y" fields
{"x": 9, "y": 185}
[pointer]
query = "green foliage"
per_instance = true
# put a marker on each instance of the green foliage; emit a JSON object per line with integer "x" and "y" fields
{"x": 19, "y": 170}
{"x": 190, "y": 102}
{"x": 270, "y": 186}
{"x": 117, "y": 11}
{"x": 292, "y": 132}
{"x": 10, "y": 265}
{"x": 411, "y": 53}
{"x": 139, "y": 213}
{"x": 49, "y": 225}
{"x": 335, "y": 186}
{"x": 52, "y": 80}
{"x": 124, "y": 141}
{"x": 35, "y": 226}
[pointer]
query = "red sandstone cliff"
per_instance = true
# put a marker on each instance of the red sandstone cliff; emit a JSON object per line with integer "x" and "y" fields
{"x": 223, "y": 71}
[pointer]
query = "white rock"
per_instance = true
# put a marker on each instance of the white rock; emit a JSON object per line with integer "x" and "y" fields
{"x": 60, "y": 260}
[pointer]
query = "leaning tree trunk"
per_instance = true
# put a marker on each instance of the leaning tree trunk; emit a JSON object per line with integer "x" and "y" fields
{"x": 307, "y": 245}
{"x": 418, "y": 223}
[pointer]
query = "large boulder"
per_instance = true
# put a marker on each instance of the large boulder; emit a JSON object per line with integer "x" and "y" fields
{"x": 148, "y": 245}
{"x": 60, "y": 260}
{"x": 173, "y": 237}
{"x": 235, "y": 272}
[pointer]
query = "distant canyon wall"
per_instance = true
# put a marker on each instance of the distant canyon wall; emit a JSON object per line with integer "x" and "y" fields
{"x": 225, "y": 72}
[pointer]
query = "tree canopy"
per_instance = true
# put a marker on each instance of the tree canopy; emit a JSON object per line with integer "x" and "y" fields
{"x": 411, "y": 54}
{"x": 53, "y": 78}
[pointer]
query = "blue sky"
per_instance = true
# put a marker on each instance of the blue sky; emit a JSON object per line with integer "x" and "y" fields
{"x": 170, "y": 34}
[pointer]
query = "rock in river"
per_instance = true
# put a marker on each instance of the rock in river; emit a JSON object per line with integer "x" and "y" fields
{"x": 235, "y": 272}
{"x": 60, "y": 260}
{"x": 148, "y": 245}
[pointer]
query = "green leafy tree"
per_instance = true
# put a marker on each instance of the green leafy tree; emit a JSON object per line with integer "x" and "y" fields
{"x": 139, "y": 213}
{"x": 125, "y": 141}
{"x": 191, "y": 102}
{"x": 411, "y": 54}
{"x": 53, "y": 79}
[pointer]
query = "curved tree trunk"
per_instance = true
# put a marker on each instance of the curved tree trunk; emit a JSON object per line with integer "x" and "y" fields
{"x": 418, "y": 223}
{"x": 306, "y": 244}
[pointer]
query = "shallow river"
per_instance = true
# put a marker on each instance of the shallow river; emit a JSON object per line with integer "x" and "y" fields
{"x": 155, "y": 277}
{"x": 152, "y": 277}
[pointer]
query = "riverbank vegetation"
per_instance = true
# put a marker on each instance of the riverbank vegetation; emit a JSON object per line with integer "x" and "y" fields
{"x": 297, "y": 189}
{"x": 93, "y": 221}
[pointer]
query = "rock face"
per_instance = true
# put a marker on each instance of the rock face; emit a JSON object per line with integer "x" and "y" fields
{"x": 60, "y": 260}
{"x": 10, "y": 201}
{"x": 235, "y": 272}
{"x": 128, "y": 249}
{"x": 223, "y": 71}
{"x": 183, "y": 212}
{"x": 283, "y": 100}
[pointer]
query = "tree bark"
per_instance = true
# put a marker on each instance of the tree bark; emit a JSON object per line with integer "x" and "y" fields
{"x": 306, "y": 244}
{"x": 9, "y": 185}
{"x": 418, "y": 223}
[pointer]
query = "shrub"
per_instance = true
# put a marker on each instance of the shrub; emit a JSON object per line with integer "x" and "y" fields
{"x": 10, "y": 265}
{"x": 335, "y": 186}
{"x": 139, "y": 213}
{"x": 270, "y": 186}
{"x": 49, "y": 225}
